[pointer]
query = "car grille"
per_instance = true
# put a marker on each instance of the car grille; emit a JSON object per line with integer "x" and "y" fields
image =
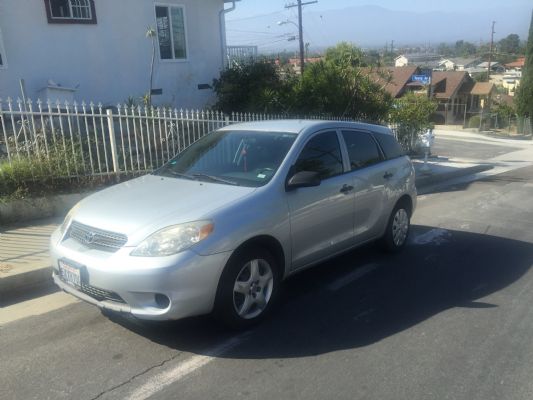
{"x": 100, "y": 294}
{"x": 95, "y": 238}
{"x": 97, "y": 293}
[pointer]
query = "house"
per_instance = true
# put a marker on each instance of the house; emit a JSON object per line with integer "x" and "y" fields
{"x": 452, "y": 91}
{"x": 458, "y": 64}
{"x": 420, "y": 60}
{"x": 481, "y": 96}
{"x": 517, "y": 65}
{"x": 494, "y": 66}
{"x": 99, "y": 50}
{"x": 396, "y": 80}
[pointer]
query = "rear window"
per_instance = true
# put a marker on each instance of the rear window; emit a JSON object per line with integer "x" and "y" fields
{"x": 389, "y": 145}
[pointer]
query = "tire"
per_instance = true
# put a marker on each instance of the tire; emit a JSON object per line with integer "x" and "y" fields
{"x": 248, "y": 288}
{"x": 398, "y": 227}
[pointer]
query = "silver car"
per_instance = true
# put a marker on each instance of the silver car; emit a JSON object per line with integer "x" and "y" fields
{"x": 220, "y": 226}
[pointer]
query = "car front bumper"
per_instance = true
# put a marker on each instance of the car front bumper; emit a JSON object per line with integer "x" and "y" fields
{"x": 120, "y": 282}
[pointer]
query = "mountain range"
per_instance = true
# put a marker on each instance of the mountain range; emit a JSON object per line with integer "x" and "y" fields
{"x": 373, "y": 26}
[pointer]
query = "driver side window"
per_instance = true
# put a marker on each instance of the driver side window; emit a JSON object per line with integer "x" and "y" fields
{"x": 322, "y": 154}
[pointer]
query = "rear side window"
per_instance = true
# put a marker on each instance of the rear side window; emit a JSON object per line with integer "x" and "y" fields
{"x": 321, "y": 154}
{"x": 389, "y": 145}
{"x": 362, "y": 149}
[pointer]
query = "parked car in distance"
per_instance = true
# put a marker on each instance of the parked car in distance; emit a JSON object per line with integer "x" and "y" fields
{"x": 221, "y": 225}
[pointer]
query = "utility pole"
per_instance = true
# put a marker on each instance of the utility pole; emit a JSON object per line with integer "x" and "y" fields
{"x": 490, "y": 50}
{"x": 299, "y": 4}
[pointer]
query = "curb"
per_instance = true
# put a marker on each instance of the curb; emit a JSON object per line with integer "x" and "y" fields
{"x": 16, "y": 284}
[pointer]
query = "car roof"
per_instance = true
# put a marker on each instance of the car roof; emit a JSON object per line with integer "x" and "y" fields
{"x": 299, "y": 125}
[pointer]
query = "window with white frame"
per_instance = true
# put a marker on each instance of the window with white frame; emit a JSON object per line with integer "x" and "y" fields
{"x": 70, "y": 11}
{"x": 170, "y": 23}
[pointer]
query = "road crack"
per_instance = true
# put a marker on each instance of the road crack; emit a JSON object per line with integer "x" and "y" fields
{"x": 130, "y": 380}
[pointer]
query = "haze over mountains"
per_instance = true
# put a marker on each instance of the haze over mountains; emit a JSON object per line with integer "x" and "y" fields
{"x": 373, "y": 26}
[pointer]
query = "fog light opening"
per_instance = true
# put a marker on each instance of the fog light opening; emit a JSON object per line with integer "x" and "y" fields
{"x": 162, "y": 301}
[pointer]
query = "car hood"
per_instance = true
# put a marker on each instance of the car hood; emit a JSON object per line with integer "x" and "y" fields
{"x": 144, "y": 205}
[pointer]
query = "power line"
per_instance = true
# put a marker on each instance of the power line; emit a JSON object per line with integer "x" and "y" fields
{"x": 299, "y": 4}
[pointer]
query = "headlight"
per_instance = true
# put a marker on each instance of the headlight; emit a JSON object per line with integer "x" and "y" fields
{"x": 173, "y": 239}
{"x": 66, "y": 222}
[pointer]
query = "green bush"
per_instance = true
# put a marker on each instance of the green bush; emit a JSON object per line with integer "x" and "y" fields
{"x": 412, "y": 113}
{"x": 473, "y": 122}
{"x": 41, "y": 173}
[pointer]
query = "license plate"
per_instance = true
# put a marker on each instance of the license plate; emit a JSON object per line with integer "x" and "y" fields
{"x": 70, "y": 274}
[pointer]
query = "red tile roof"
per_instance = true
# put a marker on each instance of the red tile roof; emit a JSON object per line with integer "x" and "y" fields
{"x": 519, "y": 63}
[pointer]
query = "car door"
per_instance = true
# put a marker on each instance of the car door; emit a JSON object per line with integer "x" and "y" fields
{"x": 368, "y": 180}
{"x": 321, "y": 217}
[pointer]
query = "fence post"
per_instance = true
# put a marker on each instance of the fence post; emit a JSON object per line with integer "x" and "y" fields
{"x": 114, "y": 153}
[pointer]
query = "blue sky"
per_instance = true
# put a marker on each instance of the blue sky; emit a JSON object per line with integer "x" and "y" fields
{"x": 407, "y": 22}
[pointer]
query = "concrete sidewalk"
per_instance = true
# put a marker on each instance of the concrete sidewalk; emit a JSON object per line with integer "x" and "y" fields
{"x": 24, "y": 260}
{"x": 25, "y": 264}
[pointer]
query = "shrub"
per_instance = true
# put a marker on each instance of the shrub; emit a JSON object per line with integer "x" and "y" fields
{"x": 41, "y": 173}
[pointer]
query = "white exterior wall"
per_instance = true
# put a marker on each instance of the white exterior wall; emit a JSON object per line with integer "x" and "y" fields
{"x": 111, "y": 59}
{"x": 401, "y": 61}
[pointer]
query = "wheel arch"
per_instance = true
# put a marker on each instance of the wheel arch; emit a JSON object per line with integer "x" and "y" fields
{"x": 407, "y": 201}
{"x": 269, "y": 243}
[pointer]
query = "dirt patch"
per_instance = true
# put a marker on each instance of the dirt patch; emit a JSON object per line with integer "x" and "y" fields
{"x": 4, "y": 268}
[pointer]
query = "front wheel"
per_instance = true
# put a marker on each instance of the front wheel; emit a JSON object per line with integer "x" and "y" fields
{"x": 248, "y": 288}
{"x": 397, "y": 229}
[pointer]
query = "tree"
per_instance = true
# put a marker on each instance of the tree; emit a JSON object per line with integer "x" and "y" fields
{"x": 510, "y": 44}
{"x": 412, "y": 113}
{"x": 524, "y": 95}
{"x": 464, "y": 49}
{"x": 255, "y": 86}
{"x": 341, "y": 86}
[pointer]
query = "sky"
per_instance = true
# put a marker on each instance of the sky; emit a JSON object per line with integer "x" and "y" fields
{"x": 248, "y": 8}
{"x": 255, "y": 22}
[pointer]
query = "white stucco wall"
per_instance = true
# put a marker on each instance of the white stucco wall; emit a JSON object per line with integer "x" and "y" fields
{"x": 401, "y": 61}
{"x": 110, "y": 60}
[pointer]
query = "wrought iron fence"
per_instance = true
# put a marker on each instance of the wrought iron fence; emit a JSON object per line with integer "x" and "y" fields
{"x": 88, "y": 139}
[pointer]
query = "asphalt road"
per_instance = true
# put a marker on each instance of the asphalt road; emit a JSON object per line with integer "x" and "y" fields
{"x": 449, "y": 147}
{"x": 448, "y": 318}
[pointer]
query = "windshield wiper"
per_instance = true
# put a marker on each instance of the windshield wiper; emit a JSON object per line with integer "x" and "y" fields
{"x": 215, "y": 179}
{"x": 175, "y": 173}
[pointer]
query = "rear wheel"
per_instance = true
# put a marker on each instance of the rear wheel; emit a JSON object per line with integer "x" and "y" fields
{"x": 397, "y": 228}
{"x": 248, "y": 288}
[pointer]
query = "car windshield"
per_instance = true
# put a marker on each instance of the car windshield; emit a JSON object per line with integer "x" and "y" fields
{"x": 244, "y": 158}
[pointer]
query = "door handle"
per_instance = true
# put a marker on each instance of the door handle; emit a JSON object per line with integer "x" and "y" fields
{"x": 388, "y": 175}
{"x": 346, "y": 189}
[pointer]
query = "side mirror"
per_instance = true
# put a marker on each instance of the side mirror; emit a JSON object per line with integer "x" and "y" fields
{"x": 303, "y": 179}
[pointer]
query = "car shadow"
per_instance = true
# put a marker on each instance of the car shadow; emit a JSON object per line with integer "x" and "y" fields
{"x": 331, "y": 308}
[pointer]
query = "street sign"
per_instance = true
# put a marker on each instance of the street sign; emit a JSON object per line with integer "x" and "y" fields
{"x": 423, "y": 79}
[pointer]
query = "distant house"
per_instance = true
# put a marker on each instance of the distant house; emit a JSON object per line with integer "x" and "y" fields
{"x": 517, "y": 65}
{"x": 396, "y": 80}
{"x": 419, "y": 60}
{"x": 456, "y": 94}
{"x": 98, "y": 49}
{"x": 295, "y": 62}
{"x": 458, "y": 64}
{"x": 481, "y": 95}
{"x": 494, "y": 66}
